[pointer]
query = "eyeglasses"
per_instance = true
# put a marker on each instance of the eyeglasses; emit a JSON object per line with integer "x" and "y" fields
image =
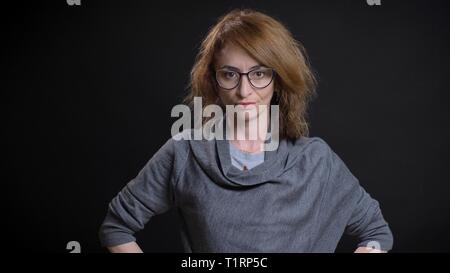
{"x": 259, "y": 77}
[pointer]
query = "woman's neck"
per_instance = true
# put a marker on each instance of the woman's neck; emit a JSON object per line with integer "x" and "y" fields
{"x": 250, "y": 136}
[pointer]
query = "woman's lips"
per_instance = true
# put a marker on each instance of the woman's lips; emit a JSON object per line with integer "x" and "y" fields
{"x": 246, "y": 104}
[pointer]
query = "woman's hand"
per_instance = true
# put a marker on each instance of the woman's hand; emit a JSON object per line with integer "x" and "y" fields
{"x": 131, "y": 247}
{"x": 363, "y": 249}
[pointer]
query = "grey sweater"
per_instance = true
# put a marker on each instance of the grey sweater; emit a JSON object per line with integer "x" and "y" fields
{"x": 302, "y": 198}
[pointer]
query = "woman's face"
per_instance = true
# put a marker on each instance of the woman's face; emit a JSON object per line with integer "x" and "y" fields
{"x": 235, "y": 59}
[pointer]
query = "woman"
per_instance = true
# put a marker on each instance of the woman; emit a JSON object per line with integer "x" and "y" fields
{"x": 232, "y": 194}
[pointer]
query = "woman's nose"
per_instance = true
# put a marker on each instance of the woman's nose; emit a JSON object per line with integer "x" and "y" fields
{"x": 245, "y": 88}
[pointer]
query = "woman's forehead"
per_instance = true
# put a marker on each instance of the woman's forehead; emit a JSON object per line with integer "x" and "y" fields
{"x": 234, "y": 56}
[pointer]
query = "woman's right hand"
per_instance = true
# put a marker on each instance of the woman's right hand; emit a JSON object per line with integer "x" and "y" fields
{"x": 131, "y": 247}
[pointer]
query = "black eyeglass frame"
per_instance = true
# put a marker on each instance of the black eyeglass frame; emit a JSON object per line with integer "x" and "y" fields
{"x": 240, "y": 77}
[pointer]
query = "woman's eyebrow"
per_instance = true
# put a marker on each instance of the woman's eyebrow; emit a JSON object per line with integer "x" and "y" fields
{"x": 237, "y": 69}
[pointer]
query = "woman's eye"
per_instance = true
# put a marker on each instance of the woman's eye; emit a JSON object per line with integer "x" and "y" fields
{"x": 259, "y": 74}
{"x": 230, "y": 75}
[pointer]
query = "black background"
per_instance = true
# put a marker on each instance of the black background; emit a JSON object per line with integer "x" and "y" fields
{"x": 87, "y": 93}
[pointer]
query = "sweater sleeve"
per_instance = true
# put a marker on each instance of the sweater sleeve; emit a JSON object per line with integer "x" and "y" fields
{"x": 148, "y": 194}
{"x": 362, "y": 213}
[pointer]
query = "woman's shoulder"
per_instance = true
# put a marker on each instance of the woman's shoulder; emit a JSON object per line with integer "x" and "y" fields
{"x": 311, "y": 145}
{"x": 176, "y": 145}
{"x": 311, "y": 151}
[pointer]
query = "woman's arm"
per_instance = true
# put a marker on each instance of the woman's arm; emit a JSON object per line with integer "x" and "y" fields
{"x": 146, "y": 195}
{"x": 367, "y": 223}
{"x": 131, "y": 247}
{"x": 361, "y": 213}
